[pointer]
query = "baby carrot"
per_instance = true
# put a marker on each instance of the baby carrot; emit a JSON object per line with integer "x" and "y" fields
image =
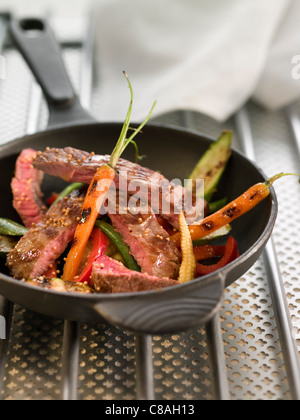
{"x": 237, "y": 208}
{"x": 92, "y": 204}
{"x": 96, "y": 196}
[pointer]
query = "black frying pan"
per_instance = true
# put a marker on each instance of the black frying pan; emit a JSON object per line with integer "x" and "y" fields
{"x": 170, "y": 150}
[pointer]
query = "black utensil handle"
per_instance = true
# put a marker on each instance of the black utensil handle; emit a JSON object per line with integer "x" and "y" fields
{"x": 35, "y": 40}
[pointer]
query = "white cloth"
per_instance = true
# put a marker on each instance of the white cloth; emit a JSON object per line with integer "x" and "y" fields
{"x": 209, "y": 56}
{"x": 279, "y": 84}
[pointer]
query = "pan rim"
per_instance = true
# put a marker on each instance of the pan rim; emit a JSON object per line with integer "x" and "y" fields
{"x": 221, "y": 273}
{"x": 48, "y": 130}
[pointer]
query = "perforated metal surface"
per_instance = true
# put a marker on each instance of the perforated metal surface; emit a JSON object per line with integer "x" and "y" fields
{"x": 182, "y": 364}
{"x": 252, "y": 348}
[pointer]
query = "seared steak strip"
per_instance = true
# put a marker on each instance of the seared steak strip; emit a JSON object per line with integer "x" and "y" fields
{"x": 43, "y": 244}
{"x": 59, "y": 285}
{"x": 110, "y": 276}
{"x": 149, "y": 243}
{"x": 26, "y": 188}
{"x": 74, "y": 165}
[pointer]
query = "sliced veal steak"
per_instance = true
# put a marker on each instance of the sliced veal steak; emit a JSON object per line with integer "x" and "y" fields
{"x": 26, "y": 188}
{"x": 44, "y": 243}
{"x": 110, "y": 276}
{"x": 74, "y": 165}
{"x": 70, "y": 164}
{"x": 149, "y": 243}
{"x": 59, "y": 285}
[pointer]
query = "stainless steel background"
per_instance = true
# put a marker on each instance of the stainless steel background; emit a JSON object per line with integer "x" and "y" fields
{"x": 246, "y": 353}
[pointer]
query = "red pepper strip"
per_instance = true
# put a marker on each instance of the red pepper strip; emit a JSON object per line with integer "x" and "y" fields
{"x": 52, "y": 199}
{"x": 230, "y": 254}
{"x": 100, "y": 245}
{"x": 207, "y": 252}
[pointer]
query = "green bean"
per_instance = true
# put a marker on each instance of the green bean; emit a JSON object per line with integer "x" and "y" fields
{"x": 217, "y": 205}
{"x": 10, "y": 228}
{"x": 117, "y": 240}
{"x": 70, "y": 188}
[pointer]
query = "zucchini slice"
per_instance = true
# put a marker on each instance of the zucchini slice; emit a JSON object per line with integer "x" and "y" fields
{"x": 212, "y": 165}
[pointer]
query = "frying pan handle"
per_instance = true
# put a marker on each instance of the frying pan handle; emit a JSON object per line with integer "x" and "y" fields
{"x": 36, "y": 42}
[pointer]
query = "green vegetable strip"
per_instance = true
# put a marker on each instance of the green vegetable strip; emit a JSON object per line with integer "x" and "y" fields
{"x": 217, "y": 205}
{"x": 10, "y": 228}
{"x": 67, "y": 191}
{"x": 211, "y": 166}
{"x": 224, "y": 231}
{"x": 117, "y": 240}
